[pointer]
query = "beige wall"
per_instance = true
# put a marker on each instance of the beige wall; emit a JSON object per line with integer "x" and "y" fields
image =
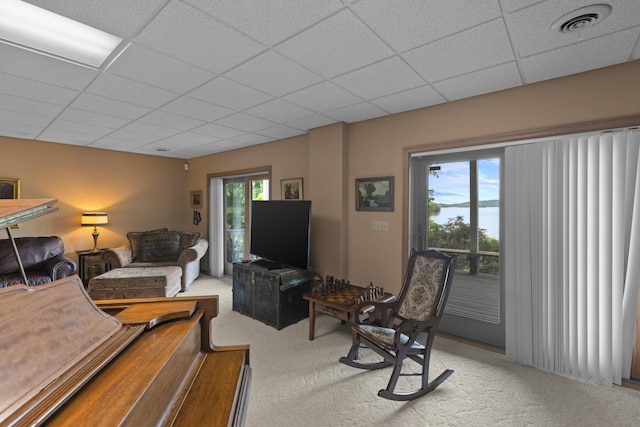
{"x": 138, "y": 192}
{"x": 145, "y": 191}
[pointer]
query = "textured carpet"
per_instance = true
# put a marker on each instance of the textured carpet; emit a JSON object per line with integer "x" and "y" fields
{"x": 297, "y": 382}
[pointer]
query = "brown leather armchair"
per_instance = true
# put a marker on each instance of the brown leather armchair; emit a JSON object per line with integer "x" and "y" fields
{"x": 42, "y": 258}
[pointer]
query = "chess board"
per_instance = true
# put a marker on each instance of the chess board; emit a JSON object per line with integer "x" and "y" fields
{"x": 344, "y": 297}
{"x": 340, "y": 304}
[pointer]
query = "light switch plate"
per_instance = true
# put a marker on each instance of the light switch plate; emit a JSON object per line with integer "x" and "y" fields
{"x": 380, "y": 226}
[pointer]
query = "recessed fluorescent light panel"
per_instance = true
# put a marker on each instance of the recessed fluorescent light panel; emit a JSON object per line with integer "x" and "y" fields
{"x": 30, "y": 27}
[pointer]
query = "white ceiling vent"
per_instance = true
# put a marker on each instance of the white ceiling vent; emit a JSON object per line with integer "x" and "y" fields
{"x": 581, "y": 18}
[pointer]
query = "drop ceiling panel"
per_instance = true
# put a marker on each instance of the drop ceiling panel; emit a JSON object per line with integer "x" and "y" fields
{"x": 225, "y": 145}
{"x": 218, "y": 131}
{"x": 129, "y": 134}
{"x": 122, "y": 142}
{"x": 153, "y": 130}
{"x": 356, "y": 113}
{"x": 85, "y": 128}
{"x": 500, "y": 77}
{"x": 269, "y": 22}
{"x": 197, "y": 109}
{"x": 411, "y": 23}
{"x": 531, "y": 27}
{"x": 136, "y": 61}
{"x": 187, "y": 34}
{"x": 73, "y": 137}
{"x": 420, "y": 97}
{"x": 280, "y": 131}
{"x": 382, "y": 78}
{"x": 32, "y": 66}
{"x": 279, "y": 111}
{"x": 245, "y": 122}
{"x": 170, "y": 120}
{"x": 129, "y": 91}
{"x": 480, "y": 47}
{"x": 336, "y": 46}
{"x": 107, "y": 106}
{"x": 123, "y": 18}
{"x": 251, "y": 139}
{"x": 36, "y": 122}
{"x": 198, "y": 151}
{"x": 82, "y": 116}
{"x": 194, "y": 138}
{"x": 16, "y": 129}
{"x": 29, "y": 106}
{"x": 585, "y": 56}
{"x": 322, "y": 97}
{"x": 159, "y": 150}
{"x": 230, "y": 94}
{"x": 36, "y": 91}
{"x": 514, "y": 5}
{"x": 311, "y": 122}
{"x": 273, "y": 74}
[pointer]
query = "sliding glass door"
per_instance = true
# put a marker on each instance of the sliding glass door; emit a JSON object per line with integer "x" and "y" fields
{"x": 455, "y": 208}
{"x": 239, "y": 191}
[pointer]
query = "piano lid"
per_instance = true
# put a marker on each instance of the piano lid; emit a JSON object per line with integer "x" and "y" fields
{"x": 14, "y": 211}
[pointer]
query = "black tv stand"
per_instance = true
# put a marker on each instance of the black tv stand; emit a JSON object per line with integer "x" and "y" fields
{"x": 268, "y": 264}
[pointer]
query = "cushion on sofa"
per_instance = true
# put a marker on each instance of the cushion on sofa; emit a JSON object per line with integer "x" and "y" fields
{"x": 160, "y": 246}
{"x": 189, "y": 238}
{"x": 35, "y": 278}
{"x": 135, "y": 239}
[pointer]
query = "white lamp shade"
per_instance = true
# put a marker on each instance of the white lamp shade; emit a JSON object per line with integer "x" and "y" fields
{"x": 92, "y": 219}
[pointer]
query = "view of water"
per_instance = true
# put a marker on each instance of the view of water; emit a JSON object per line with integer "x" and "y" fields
{"x": 488, "y": 218}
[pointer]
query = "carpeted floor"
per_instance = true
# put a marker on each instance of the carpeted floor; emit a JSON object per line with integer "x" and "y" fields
{"x": 297, "y": 382}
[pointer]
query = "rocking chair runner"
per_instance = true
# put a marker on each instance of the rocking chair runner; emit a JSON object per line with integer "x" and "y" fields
{"x": 415, "y": 312}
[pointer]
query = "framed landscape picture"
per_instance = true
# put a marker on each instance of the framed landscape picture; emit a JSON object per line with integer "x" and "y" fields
{"x": 374, "y": 194}
{"x": 291, "y": 189}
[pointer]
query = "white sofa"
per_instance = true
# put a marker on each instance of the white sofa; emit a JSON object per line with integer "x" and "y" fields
{"x": 161, "y": 247}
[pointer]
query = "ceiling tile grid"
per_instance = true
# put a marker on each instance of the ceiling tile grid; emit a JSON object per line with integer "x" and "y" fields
{"x": 335, "y": 46}
{"x": 196, "y": 77}
{"x": 274, "y": 74}
{"x": 268, "y": 21}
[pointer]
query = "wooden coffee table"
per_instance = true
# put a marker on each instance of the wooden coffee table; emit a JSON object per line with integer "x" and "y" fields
{"x": 338, "y": 304}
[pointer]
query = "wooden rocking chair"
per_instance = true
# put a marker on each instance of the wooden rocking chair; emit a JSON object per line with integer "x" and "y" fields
{"x": 416, "y": 312}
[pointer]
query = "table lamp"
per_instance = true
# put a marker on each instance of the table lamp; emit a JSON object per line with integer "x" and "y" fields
{"x": 94, "y": 219}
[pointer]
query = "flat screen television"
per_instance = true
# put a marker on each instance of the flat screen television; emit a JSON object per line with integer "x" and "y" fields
{"x": 280, "y": 231}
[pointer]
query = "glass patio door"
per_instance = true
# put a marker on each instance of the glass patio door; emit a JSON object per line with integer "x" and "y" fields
{"x": 455, "y": 208}
{"x": 238, "y": 194}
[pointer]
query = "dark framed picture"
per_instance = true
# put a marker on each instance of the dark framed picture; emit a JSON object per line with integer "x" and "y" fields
{"x": 291, "y": 189}
{"x": 9, "y": 188}
{"x": 374, "y": 194}
{"x": 196, "y": 199}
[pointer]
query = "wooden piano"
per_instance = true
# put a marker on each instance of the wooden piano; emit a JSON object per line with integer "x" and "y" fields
{"x": 66, "y": 360}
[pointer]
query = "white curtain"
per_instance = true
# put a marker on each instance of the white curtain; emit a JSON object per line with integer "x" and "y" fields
{"x": 216, "y": 227}
{"x": 572, "y": 254}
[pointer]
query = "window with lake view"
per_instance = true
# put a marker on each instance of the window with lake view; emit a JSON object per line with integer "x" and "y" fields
{"x": 455, "y": 208}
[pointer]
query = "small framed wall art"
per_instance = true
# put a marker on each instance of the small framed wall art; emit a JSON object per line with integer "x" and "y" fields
{"x": 9, "y": 188}
{"x": 196, "y": 199}
{"x": 374, "y": 194}
{"x": 291, "y": 189}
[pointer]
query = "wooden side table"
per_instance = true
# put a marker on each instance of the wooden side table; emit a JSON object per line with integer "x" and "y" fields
{"x": 337, "y": 304}
{"x": 85, "y": 264}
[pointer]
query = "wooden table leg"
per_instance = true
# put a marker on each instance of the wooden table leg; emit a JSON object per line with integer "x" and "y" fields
{"x": 312, "y": 319}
